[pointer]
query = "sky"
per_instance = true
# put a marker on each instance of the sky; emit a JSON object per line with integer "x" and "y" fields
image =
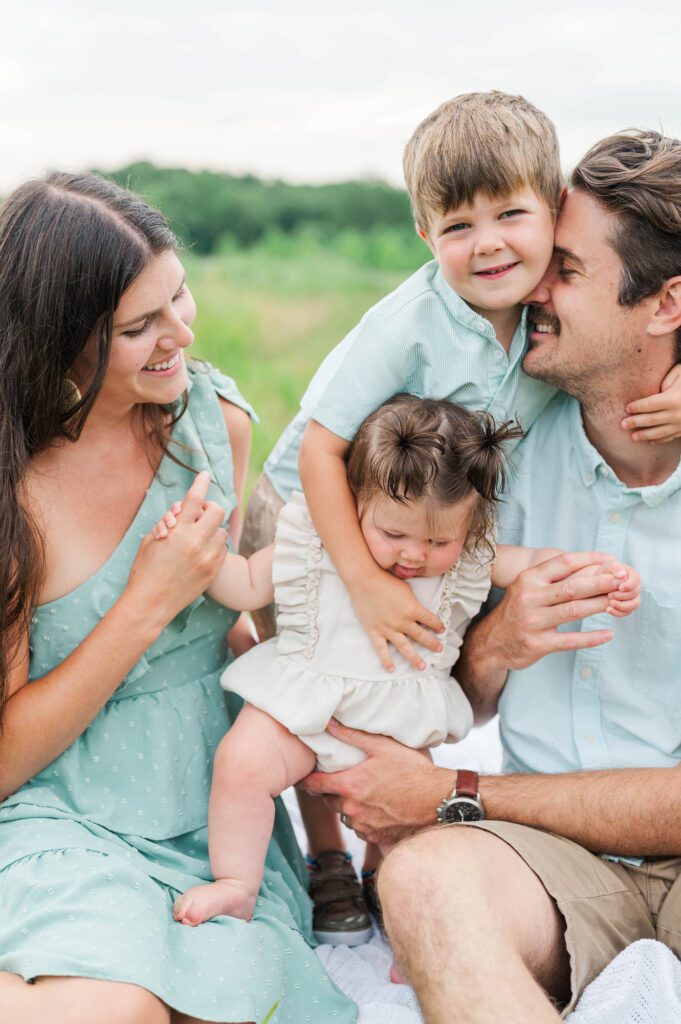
{"x": 313, "y": 91}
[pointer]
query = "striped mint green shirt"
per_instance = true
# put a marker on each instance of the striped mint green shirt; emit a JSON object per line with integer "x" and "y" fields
{"x": 423, "y": 339}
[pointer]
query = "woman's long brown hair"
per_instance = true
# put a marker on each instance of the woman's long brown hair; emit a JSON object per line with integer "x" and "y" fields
{"x": 70, "y": 245}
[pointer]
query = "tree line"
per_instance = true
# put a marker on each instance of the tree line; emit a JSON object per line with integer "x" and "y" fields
{"x": 212, "y": 211}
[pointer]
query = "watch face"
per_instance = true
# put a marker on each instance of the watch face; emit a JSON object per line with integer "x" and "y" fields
{"x": 462, "y": 809}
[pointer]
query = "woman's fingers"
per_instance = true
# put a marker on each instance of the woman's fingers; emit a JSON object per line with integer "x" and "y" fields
{"x": 195, "y": 499}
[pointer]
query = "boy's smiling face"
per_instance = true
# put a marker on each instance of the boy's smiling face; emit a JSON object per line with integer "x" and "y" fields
{"x": 495, "y": 250}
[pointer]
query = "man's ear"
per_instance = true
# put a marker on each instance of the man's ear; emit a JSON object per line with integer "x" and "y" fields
{"x": 666, "y": 316}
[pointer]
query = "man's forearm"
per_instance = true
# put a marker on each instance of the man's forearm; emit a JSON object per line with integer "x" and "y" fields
{"x": 478, "y": 670}
{"x": 628, "y": 811}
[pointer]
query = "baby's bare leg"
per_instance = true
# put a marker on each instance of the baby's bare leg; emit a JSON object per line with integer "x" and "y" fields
{"x": 256, "y": 761}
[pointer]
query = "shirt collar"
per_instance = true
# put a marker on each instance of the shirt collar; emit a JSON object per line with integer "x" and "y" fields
{"x": 592, "y": 465}
{"x": 462, "y": 312}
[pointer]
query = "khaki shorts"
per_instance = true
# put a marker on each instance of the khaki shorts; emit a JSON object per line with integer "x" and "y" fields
{"x": 606, "y": 905}
{"x": 260, "y": 523}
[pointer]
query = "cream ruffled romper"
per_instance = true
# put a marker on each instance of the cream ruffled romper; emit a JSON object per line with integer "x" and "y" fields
{"x": 322, "y": 664}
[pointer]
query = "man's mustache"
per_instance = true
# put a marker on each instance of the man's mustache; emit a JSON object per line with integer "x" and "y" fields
{"x": 538, "y": 315}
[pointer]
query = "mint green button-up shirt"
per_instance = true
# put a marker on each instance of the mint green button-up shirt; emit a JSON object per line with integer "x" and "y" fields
{"x": 618, "y": 705}
{"x": 423, "y": 339}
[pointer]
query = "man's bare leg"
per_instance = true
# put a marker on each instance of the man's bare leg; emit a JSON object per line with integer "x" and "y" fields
{"x": 475, "y": 930}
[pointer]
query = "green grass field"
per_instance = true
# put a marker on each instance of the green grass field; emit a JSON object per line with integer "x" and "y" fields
{"x": 268, "y": 321}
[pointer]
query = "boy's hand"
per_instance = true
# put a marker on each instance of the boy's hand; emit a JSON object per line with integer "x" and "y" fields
{"x": 167, "y": 522}
{"x": 625, "y": 598}
{"x": 657, "y": 418}
{"x": 390, "y": 614}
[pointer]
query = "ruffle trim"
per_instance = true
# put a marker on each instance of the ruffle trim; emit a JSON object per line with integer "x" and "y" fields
{"x": 296, "y": 574}
{"x": 464, "y": 591}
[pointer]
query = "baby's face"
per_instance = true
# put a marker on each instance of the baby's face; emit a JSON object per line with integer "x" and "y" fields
{"x": 494, "y": 251}
{"x": 409, "y": 539}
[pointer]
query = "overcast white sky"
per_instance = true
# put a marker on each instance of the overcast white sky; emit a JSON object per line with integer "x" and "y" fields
{"x": 313, "y": 91}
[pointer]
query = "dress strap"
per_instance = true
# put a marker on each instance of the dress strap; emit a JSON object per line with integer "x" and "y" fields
{"x": 202, "y": 428}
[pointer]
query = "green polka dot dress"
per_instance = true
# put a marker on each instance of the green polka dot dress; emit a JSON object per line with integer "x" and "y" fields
{"x": 95, "y": 848}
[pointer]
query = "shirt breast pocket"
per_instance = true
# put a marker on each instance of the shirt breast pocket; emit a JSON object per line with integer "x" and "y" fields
{"x": 658, "y": 659}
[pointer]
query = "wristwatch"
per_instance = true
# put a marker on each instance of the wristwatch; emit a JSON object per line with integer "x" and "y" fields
{"x": 464, "y": 804}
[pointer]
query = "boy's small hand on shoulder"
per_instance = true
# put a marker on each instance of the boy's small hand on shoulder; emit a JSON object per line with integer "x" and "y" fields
{"x": 657, "y": 418}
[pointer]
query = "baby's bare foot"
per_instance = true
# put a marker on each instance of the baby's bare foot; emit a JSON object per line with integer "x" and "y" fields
{"x": 224, "y": 896}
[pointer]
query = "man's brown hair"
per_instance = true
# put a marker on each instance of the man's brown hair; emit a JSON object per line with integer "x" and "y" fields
{"x": 637, "y": 176}
{"x": 488, "y": 142}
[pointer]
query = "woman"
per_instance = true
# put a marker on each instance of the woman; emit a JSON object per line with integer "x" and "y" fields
{"x": 109, "y": 654}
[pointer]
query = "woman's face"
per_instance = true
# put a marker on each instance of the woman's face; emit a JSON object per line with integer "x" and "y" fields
{"x": 151, "y": 329}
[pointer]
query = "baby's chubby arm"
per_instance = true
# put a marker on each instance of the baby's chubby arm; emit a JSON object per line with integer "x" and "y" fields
{"x": 243, "y": 584}
{"x": 620, "y": 582}
{"x": 385, "y": 606}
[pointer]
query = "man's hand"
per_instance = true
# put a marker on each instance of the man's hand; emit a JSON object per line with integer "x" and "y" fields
{"x": 391, "y": 794}
{"x": 547, "y": 596}
{"x": 523, "y": 627}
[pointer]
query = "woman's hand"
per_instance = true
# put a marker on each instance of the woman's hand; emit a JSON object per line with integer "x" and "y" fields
{"x": 166, "y": 577}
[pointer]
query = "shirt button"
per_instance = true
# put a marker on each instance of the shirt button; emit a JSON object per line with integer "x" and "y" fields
{"x": 589, "y": 738}
{"x": 614, "y": 517}
{"x": 589, "y": 478}
{"x": 586, "y": 672}
{"x": 604, "y": 471}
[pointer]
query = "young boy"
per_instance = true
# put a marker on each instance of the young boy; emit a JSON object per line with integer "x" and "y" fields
{"x": 485, "y": 183}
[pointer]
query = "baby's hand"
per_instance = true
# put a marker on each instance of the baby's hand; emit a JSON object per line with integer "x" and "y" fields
{"x": 167, "y": 522}
{"x": 625, "y": 597}
{"x": 657, "y": 418}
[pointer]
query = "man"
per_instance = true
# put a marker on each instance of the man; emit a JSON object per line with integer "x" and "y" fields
{"x": 504, "y": 919}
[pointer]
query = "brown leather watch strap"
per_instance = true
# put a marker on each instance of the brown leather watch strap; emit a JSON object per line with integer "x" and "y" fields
{"x": 466, "y": 783}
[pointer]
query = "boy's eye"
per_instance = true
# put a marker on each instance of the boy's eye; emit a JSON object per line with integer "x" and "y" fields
{"x": 457, "y": 227}
{"x": 512, "y": 213}
{"x": 393, "y": 536}
{"x": 180, "y": 293}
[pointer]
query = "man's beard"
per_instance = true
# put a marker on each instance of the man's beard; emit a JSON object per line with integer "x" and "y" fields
{"x": 587, "y": 384}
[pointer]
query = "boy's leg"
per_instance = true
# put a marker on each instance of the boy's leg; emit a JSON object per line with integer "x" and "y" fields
{"x": 255, "y": 762}
{"x": 340, "y": 913}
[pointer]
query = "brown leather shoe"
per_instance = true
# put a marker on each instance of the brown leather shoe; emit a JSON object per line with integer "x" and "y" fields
{"x": 339, "y": 916}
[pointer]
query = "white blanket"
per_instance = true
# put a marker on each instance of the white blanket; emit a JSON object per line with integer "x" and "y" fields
{"x": 641, "y": 986}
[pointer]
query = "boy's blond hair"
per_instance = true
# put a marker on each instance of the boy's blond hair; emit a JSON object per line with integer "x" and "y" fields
{"x": 487, "y": 142}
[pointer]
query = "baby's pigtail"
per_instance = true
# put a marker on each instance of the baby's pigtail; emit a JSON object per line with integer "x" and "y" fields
{"x": 485, "y": 456}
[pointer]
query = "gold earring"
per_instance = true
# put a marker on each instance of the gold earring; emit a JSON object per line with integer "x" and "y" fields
{"x": 72, "y": 393}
